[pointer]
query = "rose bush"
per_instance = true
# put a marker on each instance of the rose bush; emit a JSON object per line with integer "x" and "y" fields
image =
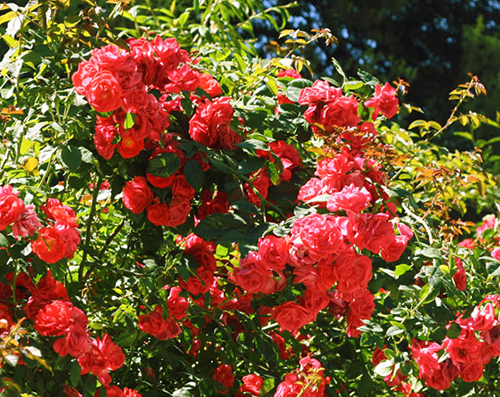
{"x": 179, "y": 217}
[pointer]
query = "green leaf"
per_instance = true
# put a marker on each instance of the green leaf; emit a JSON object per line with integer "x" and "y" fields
{"x": 253, "y": 144}
{"x": 71, "y": 157}
{"x": 164, "y": 165}
{"x": 245, "y": 206}
{"x": 464, "y": 134}
{"x": 402, "y": 269}
{"x": 218, "y": 226}
{"x": 454, "y": 331}
{"x": 267, "y": 386}
{"x": 365, "y": 386}
{"x": 11, "y": 359}
{"x": 419, "y": 123}
{"x": 3, "y": 240}
{"x": 394, "y": 330}
{"x": 339, "y": 69}
{"x": 186, "y": 391}
{"x": 384, "y": 368}
{"x": 187, "y": 105}
{"x": 75, "y": 373}
{"x": 367, "y": 77}
{"x": 429, "y": 252}
{"x": 129, "y": 121}
{"x": 352, "y": 85}
{"x": 273, "y": 173}
{"x": 194, "y": 174}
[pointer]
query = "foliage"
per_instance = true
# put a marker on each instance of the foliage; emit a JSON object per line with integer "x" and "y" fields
{"x": 233, "y": 226}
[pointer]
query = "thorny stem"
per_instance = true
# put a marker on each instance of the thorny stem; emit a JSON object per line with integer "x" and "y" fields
{"x": 89, "y": 225}
{"x": 419, "y": 220}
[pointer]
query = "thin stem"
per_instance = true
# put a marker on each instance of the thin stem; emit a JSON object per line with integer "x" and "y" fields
{"x": 421, "y": 221}
{"x": 89, "y": 225}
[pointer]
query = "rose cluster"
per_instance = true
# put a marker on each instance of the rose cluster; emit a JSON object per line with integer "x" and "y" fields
{"x": 121, "y": 81}
{"x": 466, "y": 355}
{"x": 59, "y": 240}
{"x": 53, "y": 314}
{"x": 14, "y": 213}
{"x": 307, "y": 380}
{"x": 352, "y": 212}
{"x": 54, "y": 242}
{"x": 328, "y": 110}
{"x": 163, "y": 329}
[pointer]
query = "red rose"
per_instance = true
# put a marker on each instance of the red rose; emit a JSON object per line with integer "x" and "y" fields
{"x": 353, "y": 271}
{"x": 130, "y": 393}
{"x": 320, "y": 234}
{"x": 105, "y": 133}
{"x": 360, "y": 308}
{"x": 183, "y": 79}
{"x": 57, "y": 211}
{"x": 199, "y": 284}
{"x": 179, "y": 211}
{"x": 70, "y": 391}
{"x": 210, "y": 205}
{"x": 153, "y": 323}
{"x": 177, "y": 305}
{"x": 71, "y": 236}
{"x": 252, "y": 274}
{"x": 211, "y": 124}
{"x": 373, "y": 232}
{"x": 252, "y": 384}
{"x": 181, "y": 189}
{"x": 104, "y": 92}
{"x": 261, "y": 182}
{"x": 83, "y": 76}
{"x": 291, "y": 316}
{"x": 76, "y": 343}
{"x": 136, "y": 195}
{"x": 27, "y": 224}
{"x": 104, "y": 356}
{"x": 201, "y": 251}
{"x": 158, "y": 214}
{"x": 130, "y": 144}
{"x": 343, "y": 113}
{"x": 384, "y": 101}
{"x": 50, "y": 246}
{"x": 113, "y": 353}
{"x": 55, "y": 318}
{"x": 274, "y": 252}
{"x": 315, "y": 300}
{"x": 289, "y": 73}
{"x": 224, "y": 375}
{"x": 210, "y": 85}
{"x": 11, "y": 207}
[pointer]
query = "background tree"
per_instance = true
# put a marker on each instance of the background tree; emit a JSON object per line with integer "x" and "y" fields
{"x": 432, "y": 45}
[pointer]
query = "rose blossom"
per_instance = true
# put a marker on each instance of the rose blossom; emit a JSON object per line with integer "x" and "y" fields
{"x": 224, "y": 375}
{"x": 50, "y": 246}
{"x": 11, "y": 207}
{"x": 104, "y": 92}
{"x": 27, "y": 224}
{"x": 291, "y": 316}
{"x": 384, "y": 101}
{"x": 136, "y": 195}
